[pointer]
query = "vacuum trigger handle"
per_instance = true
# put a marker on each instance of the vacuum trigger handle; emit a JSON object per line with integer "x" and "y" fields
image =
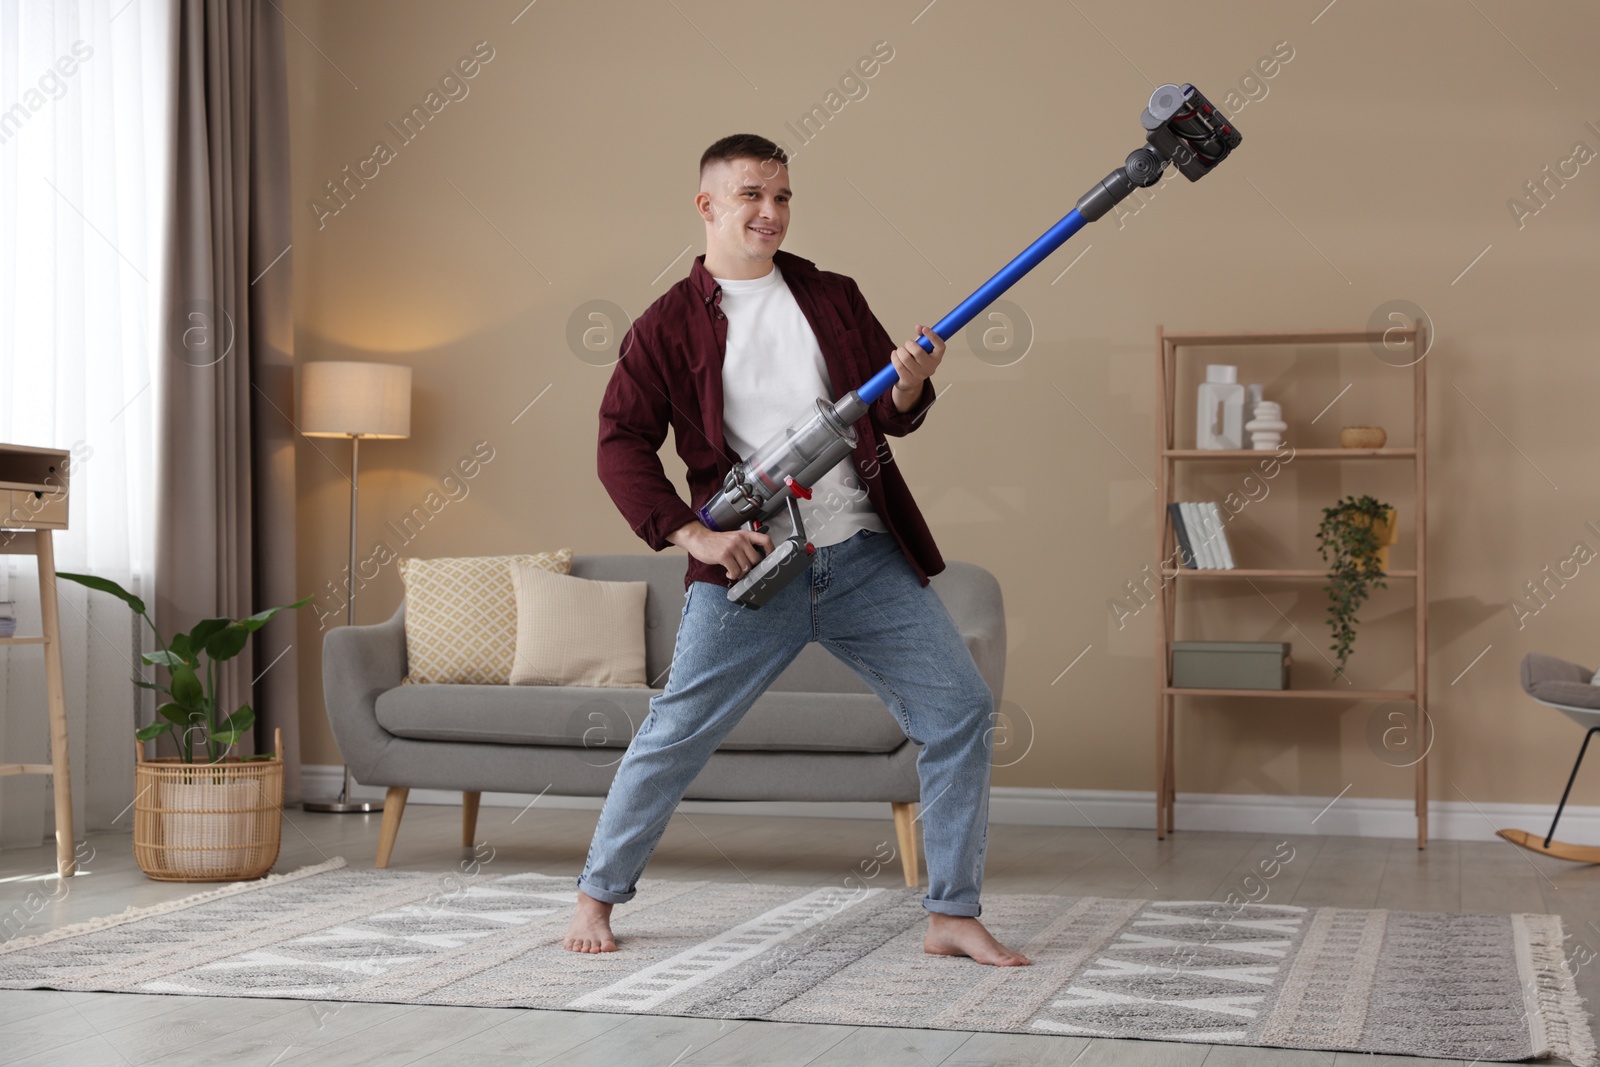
{"x": 757, "y": 527}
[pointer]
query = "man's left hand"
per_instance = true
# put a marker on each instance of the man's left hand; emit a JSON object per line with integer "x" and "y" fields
{"x": 915, "y": 367}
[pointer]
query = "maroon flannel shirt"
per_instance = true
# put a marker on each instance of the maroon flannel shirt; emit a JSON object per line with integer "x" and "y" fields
{"x": 670, "y": 374}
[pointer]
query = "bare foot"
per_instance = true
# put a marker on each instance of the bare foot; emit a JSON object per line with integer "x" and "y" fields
{"x": 591, "y": 927}
{"x": 956, "y": 935}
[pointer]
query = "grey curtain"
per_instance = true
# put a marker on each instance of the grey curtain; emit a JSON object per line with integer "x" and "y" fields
{"x": 225, "y": 518}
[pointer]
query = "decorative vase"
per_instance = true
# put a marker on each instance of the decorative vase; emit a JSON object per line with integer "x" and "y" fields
{"x": 1362, "y": 437}
{"x": 208, "y": 822}
{"x": 1266, "y": 426}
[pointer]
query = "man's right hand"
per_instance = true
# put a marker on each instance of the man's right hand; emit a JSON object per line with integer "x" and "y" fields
{"x": 735, "y": 551}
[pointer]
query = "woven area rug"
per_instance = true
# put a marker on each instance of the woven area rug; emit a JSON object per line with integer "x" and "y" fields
{"x": 1485, "y": 987}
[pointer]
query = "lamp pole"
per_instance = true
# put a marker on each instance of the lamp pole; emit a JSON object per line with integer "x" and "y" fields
{"x": 355, "y": 487}
{"x": 342, "y": 804}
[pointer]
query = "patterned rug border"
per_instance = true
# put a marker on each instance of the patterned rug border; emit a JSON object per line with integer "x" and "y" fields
{"x": 134, "y": 913}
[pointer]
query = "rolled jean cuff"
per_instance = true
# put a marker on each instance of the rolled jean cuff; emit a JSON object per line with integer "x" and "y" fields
{"x": 950, "y": 907}
{"x": 604, "y": 896}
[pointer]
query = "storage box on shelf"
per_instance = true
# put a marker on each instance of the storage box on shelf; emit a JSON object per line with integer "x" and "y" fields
{"x": 1231, "y": 665}
{"x": 1169, "y": 456}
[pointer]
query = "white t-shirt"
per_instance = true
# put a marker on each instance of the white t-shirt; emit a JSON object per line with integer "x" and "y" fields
{"x": 772, "y": 371}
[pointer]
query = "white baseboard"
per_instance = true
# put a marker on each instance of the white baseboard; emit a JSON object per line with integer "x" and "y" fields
{"x": 1218, "y": 812}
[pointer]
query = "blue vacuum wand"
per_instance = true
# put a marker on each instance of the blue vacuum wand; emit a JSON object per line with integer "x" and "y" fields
{"x": 1181, "y": 127}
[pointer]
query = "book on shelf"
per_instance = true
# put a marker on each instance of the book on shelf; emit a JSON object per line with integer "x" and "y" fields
{"x": 1222, "y": 534}
{"x": 1185, "y": 550}
{"x": 1197, "y": 536}
{"x": 1187, "y": 519}
{"x": 1202, "y": 541}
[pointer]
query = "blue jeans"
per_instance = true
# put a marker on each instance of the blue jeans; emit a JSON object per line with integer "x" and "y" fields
{"x": 863, "y": 602}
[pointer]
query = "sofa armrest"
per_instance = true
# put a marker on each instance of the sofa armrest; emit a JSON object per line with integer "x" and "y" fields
{"x": 358, "y": 664}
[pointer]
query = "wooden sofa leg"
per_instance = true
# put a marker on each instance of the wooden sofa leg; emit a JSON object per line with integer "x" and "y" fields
{"x": 469, "y": 818}
{"x": 394, "y": 806}
{"x": 905, "y": 830}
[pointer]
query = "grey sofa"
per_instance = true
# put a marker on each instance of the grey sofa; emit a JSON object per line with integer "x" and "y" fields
{"x": 817, "y": 734}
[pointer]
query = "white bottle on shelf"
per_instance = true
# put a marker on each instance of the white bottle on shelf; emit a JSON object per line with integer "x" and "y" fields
{"x": 1219, "y": 418}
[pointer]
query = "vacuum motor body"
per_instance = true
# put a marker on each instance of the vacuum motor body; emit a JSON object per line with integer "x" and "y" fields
{"x": 801, "y": 453}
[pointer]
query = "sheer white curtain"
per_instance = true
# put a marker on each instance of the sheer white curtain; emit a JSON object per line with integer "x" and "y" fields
{"x": 84, "y": 120}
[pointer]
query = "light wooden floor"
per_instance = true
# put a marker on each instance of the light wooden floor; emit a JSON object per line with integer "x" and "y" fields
{"x": 90, "y": 1029}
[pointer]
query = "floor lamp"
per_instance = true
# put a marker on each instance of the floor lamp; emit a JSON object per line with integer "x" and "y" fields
{"x": 354, "y": 400}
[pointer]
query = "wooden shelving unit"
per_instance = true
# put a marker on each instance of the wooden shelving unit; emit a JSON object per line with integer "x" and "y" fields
{"x": 1168, "y": 456}
{"x": 33, "y": 504}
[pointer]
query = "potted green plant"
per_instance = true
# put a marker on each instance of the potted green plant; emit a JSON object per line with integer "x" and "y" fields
{"x": 1353, "y": 540}
{"x": 203, "y": 815}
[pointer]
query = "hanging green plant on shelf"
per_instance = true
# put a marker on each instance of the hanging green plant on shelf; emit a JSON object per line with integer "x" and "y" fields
{"x": 1351, "y": 536}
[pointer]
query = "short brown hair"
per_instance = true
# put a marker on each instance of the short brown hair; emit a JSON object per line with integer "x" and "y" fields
{"x": 742, "y": 146}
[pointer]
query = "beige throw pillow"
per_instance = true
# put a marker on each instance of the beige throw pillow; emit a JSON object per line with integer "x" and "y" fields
{"x": 461, "y": 616}
{"x": 577, "y": 631}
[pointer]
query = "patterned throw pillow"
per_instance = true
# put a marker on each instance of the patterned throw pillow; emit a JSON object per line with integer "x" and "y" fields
{"x": 461, "y": 616}
{"x": 577, "y": 631}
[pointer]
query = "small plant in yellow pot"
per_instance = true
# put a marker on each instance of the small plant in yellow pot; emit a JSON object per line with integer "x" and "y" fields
{"x": 1354, "y": 537}
{"x": 203, "y": 815}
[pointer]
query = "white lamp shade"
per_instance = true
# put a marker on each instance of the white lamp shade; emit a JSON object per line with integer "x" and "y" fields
{"x": 348, "y": 399}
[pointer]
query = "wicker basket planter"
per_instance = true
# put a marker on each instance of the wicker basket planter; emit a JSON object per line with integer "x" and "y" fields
{"x": 208, "y": 822}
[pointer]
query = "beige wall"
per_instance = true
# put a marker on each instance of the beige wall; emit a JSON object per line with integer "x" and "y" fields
{"x": 1377, "y": 165}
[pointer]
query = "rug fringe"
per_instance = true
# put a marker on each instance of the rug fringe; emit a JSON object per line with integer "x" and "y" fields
{"x": 1566, "y": 1022}
{"x": 132, "y": 914}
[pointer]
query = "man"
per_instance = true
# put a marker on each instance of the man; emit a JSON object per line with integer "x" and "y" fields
{"x": 726, "y": 358}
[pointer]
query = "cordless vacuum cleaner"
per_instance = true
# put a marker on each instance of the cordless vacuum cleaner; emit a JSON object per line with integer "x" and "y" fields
{"x": 1181, "y": 126}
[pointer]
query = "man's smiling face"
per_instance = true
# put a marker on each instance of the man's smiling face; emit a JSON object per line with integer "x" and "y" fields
{"x": 745, "y": 205}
